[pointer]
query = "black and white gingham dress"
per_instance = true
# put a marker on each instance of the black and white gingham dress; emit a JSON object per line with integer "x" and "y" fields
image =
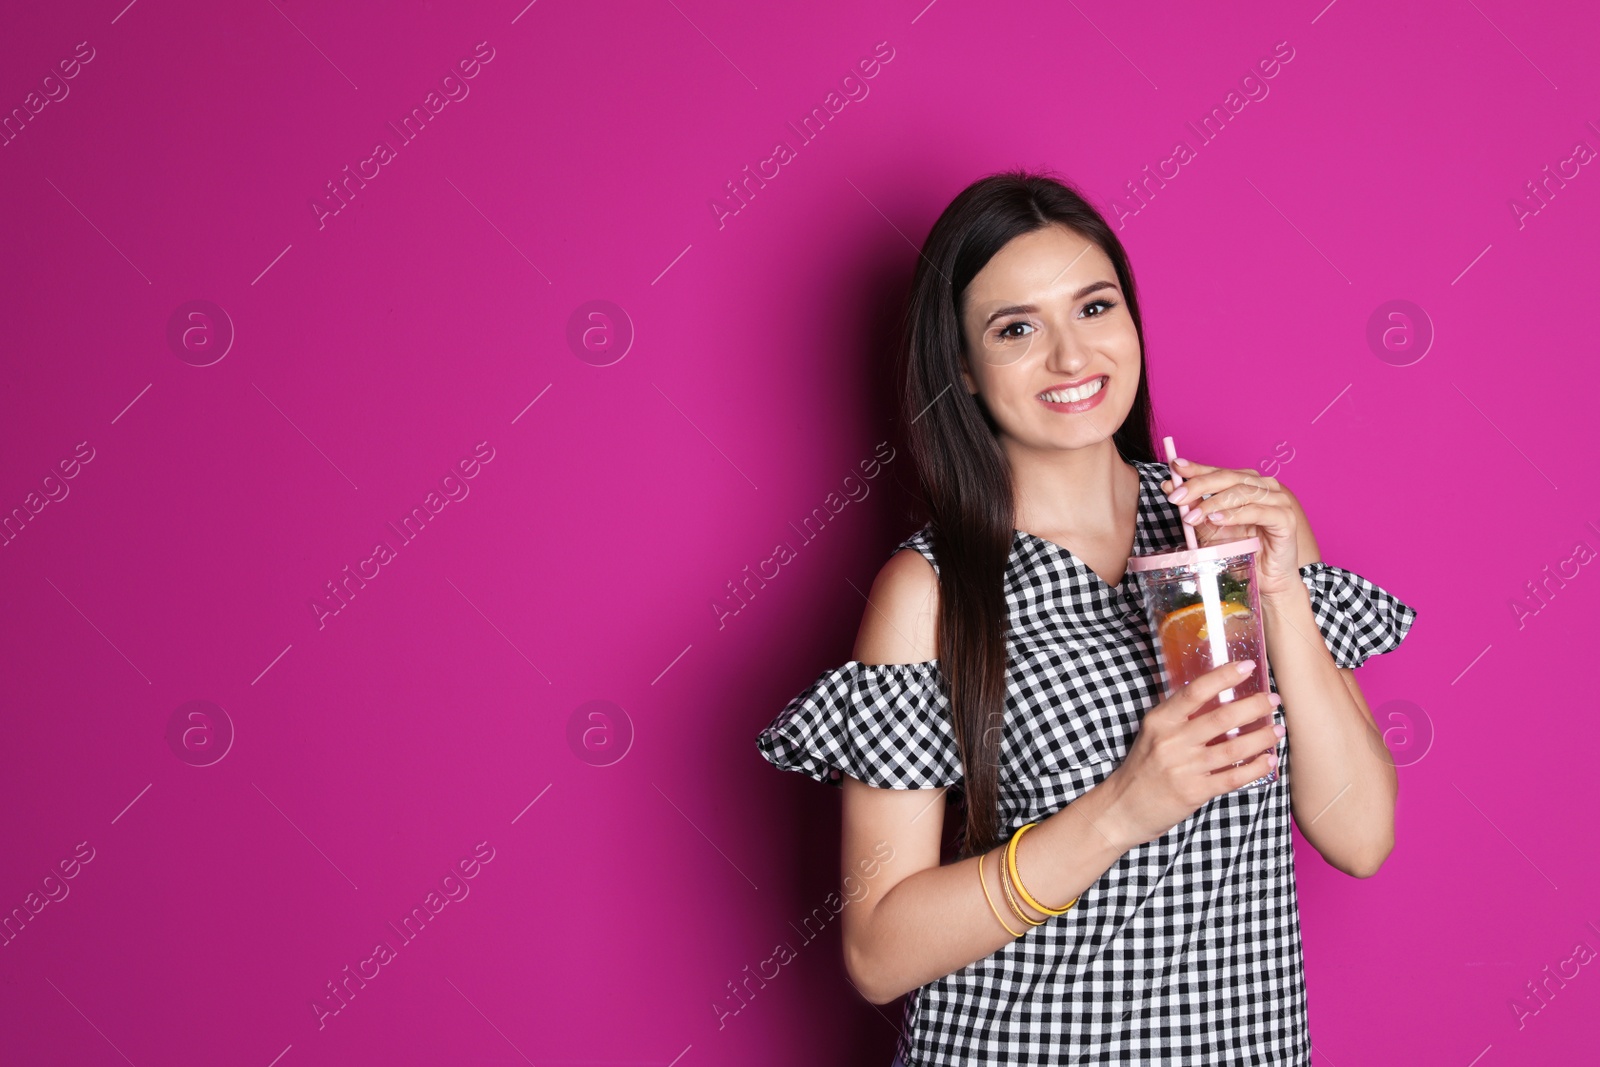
{"x": 1187, "y": 950}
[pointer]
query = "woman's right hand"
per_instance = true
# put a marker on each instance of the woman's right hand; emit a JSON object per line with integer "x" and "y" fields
{"x": 1172, "y": 768}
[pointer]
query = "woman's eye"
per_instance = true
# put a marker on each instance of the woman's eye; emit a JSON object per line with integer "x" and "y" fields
{"x": 1107, "y": 304}
{"x": 1006, "y": 334}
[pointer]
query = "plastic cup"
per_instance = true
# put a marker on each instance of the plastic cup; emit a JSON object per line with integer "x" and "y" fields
{"x": 1204, "y": 611}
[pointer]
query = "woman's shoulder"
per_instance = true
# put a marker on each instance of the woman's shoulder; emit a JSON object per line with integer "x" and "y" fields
{"x": 900, "y": 621}
{"x": 920, "y": 542}
{"x": 883, "y": 717}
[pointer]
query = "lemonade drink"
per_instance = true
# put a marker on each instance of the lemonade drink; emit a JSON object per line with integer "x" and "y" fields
{"x": 1204, "y": 611}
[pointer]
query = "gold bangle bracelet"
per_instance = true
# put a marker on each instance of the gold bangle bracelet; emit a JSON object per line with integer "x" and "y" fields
{"x": 1016, "y": 878}
{"x": 985, "y": 887}
{"x": 1011, "y": 901}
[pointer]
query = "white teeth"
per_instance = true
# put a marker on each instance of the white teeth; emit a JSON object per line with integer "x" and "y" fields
{"x": 1068, "y": 396}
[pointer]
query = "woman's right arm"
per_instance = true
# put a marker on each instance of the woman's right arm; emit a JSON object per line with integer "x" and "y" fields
{"x": 919, "y": 921}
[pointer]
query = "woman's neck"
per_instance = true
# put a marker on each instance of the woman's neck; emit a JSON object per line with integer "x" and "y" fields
{"x": 1081, "y": 494}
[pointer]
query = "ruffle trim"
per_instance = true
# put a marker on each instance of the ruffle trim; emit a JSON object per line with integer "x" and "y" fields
{"x": 887, "y": 724}
{"x": 1358, "y": 618}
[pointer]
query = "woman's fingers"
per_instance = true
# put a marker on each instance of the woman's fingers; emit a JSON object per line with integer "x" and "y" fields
{"x": 1200, "y": 480}
{"x": 1207, "y": 477}
{"x": 1237, "y": 499}
{"x": 1231, "y": 494}
{"x": 1248, "y": 515}
{"x": 1193, "y": 488}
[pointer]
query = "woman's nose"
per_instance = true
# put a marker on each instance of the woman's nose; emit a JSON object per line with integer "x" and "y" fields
{"x": 1066, "y": 356}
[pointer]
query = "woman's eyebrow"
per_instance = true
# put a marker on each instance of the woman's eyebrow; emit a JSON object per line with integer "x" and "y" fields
{"x": 1022, "y": 309}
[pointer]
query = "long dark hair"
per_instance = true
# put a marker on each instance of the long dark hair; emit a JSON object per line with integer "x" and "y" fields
{"x": 963, "y": 473}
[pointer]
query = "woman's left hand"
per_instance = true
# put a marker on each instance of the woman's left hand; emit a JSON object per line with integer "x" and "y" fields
{"x": 1231, "y": 505}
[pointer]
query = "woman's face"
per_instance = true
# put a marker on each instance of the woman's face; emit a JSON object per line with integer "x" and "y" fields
{"x": 1043, "y": 316}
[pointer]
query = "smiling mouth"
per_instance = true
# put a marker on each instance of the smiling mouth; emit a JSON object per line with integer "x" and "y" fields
{"x": 1071, "y": 396}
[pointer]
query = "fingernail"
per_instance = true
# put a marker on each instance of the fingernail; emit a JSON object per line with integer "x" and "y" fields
{"x": 1215, "y": 516}
{"x": 1272, "y": 761}
{"x": 1274, "y": 699}
{"x": 1193, "y": 518}
{"x": 1279, "y": 729}
{"x": 1178, "y": 494}
{"x": 1181, "y": 462}
{"x": 1246, "y": 665}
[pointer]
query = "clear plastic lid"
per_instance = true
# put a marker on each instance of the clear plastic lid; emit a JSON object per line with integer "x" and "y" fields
{"x": 1188, "y": 557}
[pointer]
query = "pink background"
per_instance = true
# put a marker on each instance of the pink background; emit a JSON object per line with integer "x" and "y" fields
{"x": 436, "y": 710}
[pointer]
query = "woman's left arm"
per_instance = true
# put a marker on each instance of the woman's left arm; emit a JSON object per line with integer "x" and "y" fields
{"x": 1342, "y": 787}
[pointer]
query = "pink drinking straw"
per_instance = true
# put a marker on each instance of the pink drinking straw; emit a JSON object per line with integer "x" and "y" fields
{"x": 1177, "y": 480}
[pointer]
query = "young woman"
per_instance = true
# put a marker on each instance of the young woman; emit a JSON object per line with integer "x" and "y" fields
{"x": 1147, "y": 911}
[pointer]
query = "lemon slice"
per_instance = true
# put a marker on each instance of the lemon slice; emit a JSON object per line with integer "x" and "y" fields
{"x": 1190, "y": 621}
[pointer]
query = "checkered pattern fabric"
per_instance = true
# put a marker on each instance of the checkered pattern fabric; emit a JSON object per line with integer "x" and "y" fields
{"x": 1187, "y": 950}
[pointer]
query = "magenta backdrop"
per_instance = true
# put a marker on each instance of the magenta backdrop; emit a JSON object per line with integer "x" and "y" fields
{"x": 227, "y": 382}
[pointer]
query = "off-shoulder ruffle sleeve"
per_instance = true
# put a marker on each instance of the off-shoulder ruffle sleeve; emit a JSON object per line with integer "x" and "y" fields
{"x": 886, "y": 724}
{"x": 1358, "y": 618}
